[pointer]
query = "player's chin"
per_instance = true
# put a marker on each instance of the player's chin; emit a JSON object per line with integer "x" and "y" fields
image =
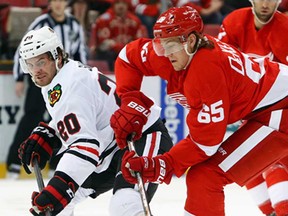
{"x": 265, "y": 17}
{"x": 42, "y": 82}
{"x": 177, "y": 66}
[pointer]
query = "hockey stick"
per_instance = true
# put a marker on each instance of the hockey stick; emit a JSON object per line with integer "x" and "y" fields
{"x": 140, "y": 183}
{"x": 40, "y": 181}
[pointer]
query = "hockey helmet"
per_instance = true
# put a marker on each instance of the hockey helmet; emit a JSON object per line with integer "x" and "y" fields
{"x": 37, "y": 42}
{"x": 173, "y": 27}
{"x": 178, "y": 22}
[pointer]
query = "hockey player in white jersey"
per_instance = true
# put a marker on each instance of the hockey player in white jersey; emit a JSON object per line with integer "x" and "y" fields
{"x": 80, "y": 101}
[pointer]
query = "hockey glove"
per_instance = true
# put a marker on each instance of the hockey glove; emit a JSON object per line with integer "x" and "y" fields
{"x": 155, "y": 169}
{"x": 39, "y": 144}
{"x": 55, "y": 196}
{"x": 131, "y": 117}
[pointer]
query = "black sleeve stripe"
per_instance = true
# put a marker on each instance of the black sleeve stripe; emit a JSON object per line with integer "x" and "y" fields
{"x": 93, "y": 141}
{"x": 82, "y": 156}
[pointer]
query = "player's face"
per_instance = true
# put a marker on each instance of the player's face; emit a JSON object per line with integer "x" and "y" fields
{"x": 174, "y": 50}
{"x": 42, "y": 69}
{"x": 178, "y": 59}
{"x": 120, "y": 8}
{"x": 58, "y": 7}
{"x": 264, "y": 9}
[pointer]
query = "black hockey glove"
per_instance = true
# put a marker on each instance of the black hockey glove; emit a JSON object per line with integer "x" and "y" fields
{"x": 39, "y": 144}
{"x": 55, "y": 196}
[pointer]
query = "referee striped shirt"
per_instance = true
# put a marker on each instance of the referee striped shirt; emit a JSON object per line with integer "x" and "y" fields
{"x": 70, "y": 33}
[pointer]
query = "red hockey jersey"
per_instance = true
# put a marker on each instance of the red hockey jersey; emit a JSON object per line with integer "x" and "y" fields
{"x": 219, "y": 87}
{"x": 238, "y": 29}
{"x": 120, "y": 30}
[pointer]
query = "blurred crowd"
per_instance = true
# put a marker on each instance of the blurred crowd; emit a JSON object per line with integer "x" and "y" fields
{"x": 110, "y": 24}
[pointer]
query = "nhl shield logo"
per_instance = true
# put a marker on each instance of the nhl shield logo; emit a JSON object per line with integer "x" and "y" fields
{"x": 54, "y": 95}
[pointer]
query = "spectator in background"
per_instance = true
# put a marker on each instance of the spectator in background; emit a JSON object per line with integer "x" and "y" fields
{"x": 148, "y": 12}
{"x": 71, "y": 34}
{"x": 261, "y": 31}
{"x": 208, "y": 9}
{"x": 80, "y": 10}
{"x": 113, "y": 30}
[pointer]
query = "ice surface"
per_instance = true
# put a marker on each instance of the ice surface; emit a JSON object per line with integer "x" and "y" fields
{"x": 168, "y": 201}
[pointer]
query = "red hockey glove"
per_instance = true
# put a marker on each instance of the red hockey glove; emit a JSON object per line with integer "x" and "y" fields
{"x": 55, "y": 196}
{"x": 39, "y": 144}
{"x": 131, "y": 117}
{"x": 155, "y": 169}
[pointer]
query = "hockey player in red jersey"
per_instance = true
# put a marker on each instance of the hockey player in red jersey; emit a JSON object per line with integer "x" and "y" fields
{"x": 81, "y": 100}
{"x": 259, "y": 31}
{"x": 219, "y": 85}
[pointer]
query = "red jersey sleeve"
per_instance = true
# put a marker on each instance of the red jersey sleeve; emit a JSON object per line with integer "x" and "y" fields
{"x": 181, "y": 156}
{"x": 138, "y": 59}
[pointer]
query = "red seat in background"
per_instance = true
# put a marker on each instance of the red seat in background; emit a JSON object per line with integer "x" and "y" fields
{"x": 17, "y": 3}
{"x": 211, "y": 29}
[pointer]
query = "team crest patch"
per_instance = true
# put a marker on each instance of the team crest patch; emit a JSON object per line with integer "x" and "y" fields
{"x": 54, "y": 95}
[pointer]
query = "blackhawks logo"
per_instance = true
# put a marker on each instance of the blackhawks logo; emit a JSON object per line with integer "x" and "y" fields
{"x": 54, "y": 95}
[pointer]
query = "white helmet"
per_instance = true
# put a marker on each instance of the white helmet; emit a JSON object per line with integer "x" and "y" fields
{"x": 37, "y": 42}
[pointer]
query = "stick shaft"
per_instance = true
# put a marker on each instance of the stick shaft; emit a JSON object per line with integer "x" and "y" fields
{"x": 40, "y": 181}
{"x": 141, "y": 186}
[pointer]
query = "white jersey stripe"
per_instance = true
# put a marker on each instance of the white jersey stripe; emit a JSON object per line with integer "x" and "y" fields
{"x": 275, "y": 194}
{"x": 245, "y": 147}
{"x": 152, "y": 145}
{"x": 147, "y": 146}
{"x": 259, "y": 193}
{"x": 275, "y": 119}
{"x": 157, "y": 143}
{"x": 279, "y": 89}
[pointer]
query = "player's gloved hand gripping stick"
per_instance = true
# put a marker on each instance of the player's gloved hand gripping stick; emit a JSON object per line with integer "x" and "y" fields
{"x": 140, "y": 182}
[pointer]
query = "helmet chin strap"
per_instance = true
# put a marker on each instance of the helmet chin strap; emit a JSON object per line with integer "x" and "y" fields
{"x": 56, "y": 64}
{"x": 191, "y": 54}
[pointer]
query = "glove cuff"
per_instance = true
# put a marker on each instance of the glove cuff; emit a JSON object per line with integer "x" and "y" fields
{"x": 166, "y": 169}
{"x": 138, "y": 97}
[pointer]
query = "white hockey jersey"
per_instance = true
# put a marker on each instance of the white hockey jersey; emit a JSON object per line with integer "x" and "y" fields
{"x": 81, "y": 101}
